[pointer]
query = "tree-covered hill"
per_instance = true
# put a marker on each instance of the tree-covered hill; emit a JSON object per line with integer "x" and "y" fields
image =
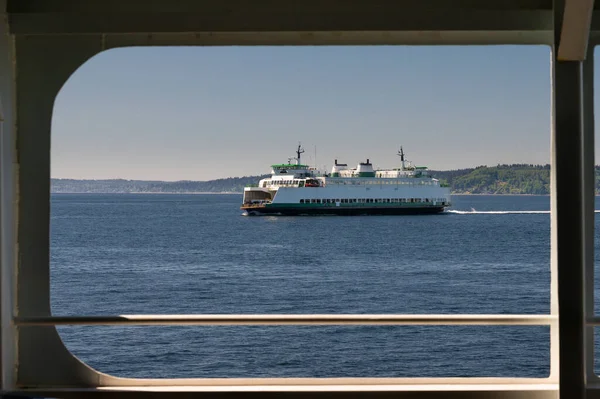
{"x": 500, "y": 179}
{"x": 228, "y": 185}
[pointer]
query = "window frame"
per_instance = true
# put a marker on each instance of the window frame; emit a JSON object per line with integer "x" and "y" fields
{"x": 26, "y": 318}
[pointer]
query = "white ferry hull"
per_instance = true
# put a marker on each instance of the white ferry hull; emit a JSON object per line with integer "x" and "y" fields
{"x": 384, "y": 199}
{"x": 295, "y": 189}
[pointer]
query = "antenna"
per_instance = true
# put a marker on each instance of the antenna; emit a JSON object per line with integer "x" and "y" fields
{"x": 316, "y": 157}
{"x": 401, "y": 155}
{"x": 299, "y": 151}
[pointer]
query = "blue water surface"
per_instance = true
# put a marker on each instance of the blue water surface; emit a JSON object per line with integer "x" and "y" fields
{"x": 167, "y": 253}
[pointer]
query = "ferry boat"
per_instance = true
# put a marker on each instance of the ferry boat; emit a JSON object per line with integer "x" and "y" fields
{"x": 298, "y": 189}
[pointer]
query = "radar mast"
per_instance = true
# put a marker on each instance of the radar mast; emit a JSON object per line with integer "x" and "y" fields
{"x": 299, "y": 151}
{"x": 401, "y": 155}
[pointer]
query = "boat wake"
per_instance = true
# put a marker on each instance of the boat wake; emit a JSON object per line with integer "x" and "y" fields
{"x": 475, "y": 212}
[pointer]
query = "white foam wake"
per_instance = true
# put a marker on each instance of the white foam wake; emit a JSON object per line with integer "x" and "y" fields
{"x": 475, "y": 212}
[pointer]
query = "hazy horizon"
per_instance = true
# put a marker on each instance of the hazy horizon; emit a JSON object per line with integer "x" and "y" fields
{"x": 202, "y": 113}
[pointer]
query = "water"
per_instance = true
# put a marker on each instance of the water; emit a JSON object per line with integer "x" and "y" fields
{"x": 158, "y": 254}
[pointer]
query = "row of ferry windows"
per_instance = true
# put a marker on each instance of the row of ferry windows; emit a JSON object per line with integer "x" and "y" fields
{"x": 369, "y": 200}
{"x": 282, "y": 183}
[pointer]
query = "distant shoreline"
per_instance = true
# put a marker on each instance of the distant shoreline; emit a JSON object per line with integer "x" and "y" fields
{"x": 154, "y": 192}
{"x": 503, "y": 179}
{"x": 240, "y": 193}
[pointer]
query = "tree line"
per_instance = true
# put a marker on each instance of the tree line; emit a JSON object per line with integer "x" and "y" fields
{"x": 499, "y": 179}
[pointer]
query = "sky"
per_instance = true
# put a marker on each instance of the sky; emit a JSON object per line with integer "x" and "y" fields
{"x": 199, "y": 113}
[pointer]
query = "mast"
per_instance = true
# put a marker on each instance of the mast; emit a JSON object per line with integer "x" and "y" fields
{"x": 401, "y": 155}
{"x": 299, "y": 151}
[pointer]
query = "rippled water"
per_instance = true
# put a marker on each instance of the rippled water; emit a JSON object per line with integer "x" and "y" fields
{"x": 129, "y": 254}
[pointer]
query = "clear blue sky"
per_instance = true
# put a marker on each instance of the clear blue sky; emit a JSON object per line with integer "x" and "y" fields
{"x": 197, "y": 113}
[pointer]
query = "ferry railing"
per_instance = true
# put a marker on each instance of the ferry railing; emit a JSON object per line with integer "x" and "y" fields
{"x": 295, "y": 319}
{"x": 371, "y": 387}
{"x": 256, "y": 205}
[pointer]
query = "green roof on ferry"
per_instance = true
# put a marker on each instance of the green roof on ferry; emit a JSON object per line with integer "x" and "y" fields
{"x": 289, "y": 166}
